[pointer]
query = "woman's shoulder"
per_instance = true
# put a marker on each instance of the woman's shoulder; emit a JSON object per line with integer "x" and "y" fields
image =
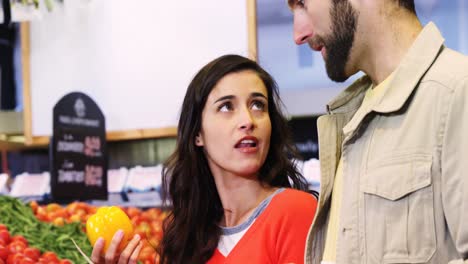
{"x": 295, "y": 200}
{"x": 289, "y": 193}
{"x": 292, "y": 208}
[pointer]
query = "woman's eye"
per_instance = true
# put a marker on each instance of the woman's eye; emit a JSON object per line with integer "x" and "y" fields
{"x": 300, "y": 3}
{"x": 258, "y": 105}
{"x": 226, "y": 107}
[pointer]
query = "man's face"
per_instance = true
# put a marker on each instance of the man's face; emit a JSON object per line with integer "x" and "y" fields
{"x": 329, "y": 28}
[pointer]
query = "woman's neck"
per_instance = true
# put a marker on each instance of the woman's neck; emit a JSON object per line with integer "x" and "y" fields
{"x": 239, "y": 197}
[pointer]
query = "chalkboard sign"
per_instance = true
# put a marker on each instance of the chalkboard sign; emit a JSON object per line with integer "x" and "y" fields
{"x": 78, "y": 150}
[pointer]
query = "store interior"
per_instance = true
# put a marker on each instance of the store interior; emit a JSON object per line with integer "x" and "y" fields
{"x": 129, "y": 61}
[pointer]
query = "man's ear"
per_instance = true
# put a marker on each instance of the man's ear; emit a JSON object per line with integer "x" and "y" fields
{"x": 199, "y": 140}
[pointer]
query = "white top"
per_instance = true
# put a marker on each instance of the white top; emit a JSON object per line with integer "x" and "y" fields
{"x": 232, "y": 235}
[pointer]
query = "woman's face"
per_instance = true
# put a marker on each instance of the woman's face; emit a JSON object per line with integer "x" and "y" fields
{"x": 236, "y": 126}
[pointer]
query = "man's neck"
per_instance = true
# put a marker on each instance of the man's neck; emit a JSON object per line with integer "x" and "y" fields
{"x": 388, "y": 40}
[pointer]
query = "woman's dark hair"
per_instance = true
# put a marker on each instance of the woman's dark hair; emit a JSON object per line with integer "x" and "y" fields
{"x": 191, "y": 231}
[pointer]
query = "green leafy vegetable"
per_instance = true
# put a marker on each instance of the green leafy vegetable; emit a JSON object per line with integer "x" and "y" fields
{"x": 20, "y": 220}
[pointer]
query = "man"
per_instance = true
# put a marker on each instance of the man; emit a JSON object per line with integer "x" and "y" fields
{"x": 393, "y": 146}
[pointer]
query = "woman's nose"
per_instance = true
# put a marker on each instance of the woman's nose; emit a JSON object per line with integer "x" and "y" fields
{"x": 246, "y": 121}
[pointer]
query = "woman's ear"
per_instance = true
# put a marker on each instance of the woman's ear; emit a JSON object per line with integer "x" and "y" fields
{"x": 199, "y": 140}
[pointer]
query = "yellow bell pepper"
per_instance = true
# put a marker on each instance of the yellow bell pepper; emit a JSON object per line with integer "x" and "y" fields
{"x": 105, "y": 222}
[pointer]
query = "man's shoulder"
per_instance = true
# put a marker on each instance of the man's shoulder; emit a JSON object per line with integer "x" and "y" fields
{"x": 449, "y": 69}
{"x": 453, "y": 61}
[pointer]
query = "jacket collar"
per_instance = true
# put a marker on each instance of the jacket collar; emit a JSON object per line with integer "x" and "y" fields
{"x": 412, "y": 68}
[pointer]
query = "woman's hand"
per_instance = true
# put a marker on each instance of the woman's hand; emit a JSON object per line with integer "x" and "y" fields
{"x": 128, "y": 255}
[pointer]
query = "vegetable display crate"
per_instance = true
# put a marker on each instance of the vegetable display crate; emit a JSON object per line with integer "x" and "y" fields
{"x": 48, "y": 230}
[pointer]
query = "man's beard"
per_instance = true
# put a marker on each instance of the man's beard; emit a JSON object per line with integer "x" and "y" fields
{"x": 338, "y": 45}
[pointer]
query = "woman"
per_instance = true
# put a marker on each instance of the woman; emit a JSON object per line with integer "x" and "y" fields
{"x": 231, "y": 177}
{"x": 226, "y": 176}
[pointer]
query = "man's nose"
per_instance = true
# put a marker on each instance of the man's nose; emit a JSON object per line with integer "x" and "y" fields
{"x": 302, "y": 29}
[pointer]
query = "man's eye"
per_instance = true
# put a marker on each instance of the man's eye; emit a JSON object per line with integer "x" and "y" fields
{"x": 300, "y": 3}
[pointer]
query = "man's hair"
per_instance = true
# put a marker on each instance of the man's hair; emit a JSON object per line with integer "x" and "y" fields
{"x": 408, "y": 4}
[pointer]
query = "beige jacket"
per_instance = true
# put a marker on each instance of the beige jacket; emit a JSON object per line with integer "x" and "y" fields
{"x": 405, "y": 164}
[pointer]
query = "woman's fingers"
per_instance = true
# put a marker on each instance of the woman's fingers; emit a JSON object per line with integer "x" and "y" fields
{"x": 136, "y": 253}
{"x": 133, "y": 246}
{"x": 129, "y": 249}
{"x": 111, "y": 252}
{"x": 128, "y": 256}
{"x": 97, "y": 249}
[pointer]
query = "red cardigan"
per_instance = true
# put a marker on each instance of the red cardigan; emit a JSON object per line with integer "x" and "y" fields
{"x": 279, "y": 233}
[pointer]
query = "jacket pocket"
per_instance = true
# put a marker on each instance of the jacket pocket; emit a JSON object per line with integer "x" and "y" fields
{"x": 398, "y": 210}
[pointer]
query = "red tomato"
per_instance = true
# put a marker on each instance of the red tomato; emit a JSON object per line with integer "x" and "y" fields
{"x": 50, "y": 256}
{"x": 4, "y": 252}
{"x": 32, "y": 253}
{"x": 1, "y": 261}
{"x": 59, "y": 221}
{"x": 42, "y": 215}
{"x": 154, "y": 213}
{"x": 14, "y": 258}
{"x": 53, "y": 207}
{"x": 16, "y": 247}
{"x": 146, "y": 253}
{"x": 81, "y": 206}
{"x": 143, "y": 229}
{"x": 132, "y": 211}
{"x": 71, "y": 208}
{"x": 136, "y": 220}
{"x": 65, "y": 261}
{"x": 34, "y": 205}
{"x": 156, "y": 226}
{"x": 80, "y": 212}
{"x": 58, "y": 213}
{"x": 26, "y": 260}
{"x": 5, "y": 236}
{"x": 41, "y": 261}
{"x": 19, "y": 238}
